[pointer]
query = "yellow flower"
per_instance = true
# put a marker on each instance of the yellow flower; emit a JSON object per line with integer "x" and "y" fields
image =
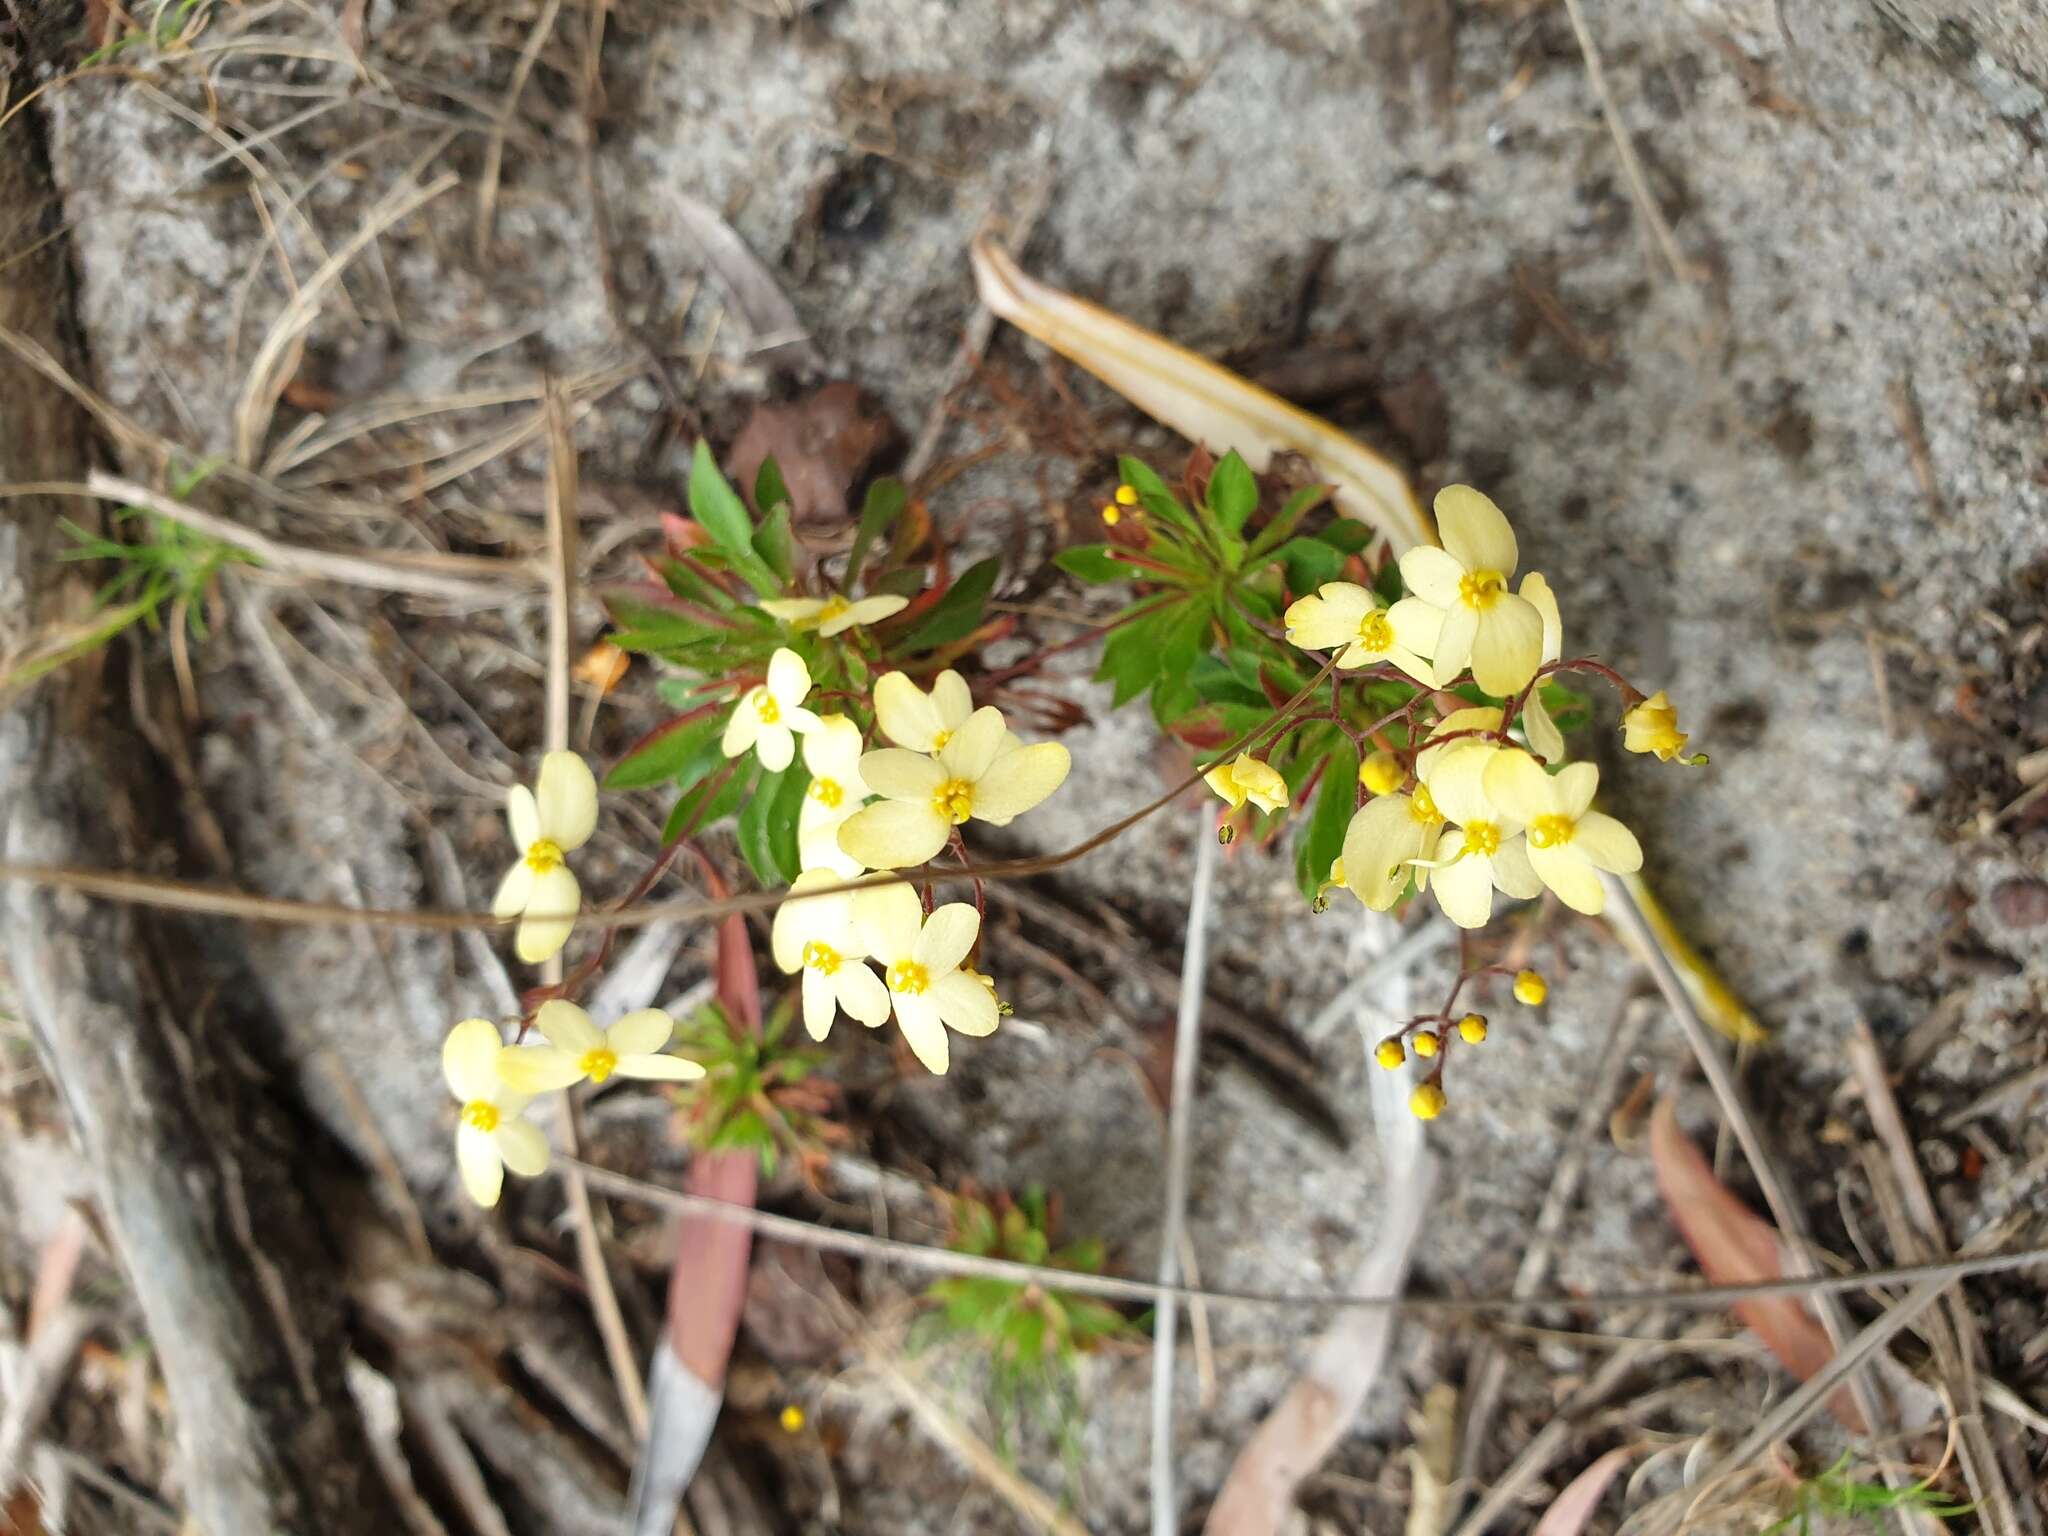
{"x": 577, "y": 1048}
{"x": 768, "y": 713}
{"x": 540, "y": 890}
{"x": 1483, "y": 850}
{"x": 1425, "y": 1043}
{"x": 921, "y": 962}
{"x": 1497, "y": 632}
{"x": 1472, "y": 1029}
{"x": 1248, "y": 779}
{"x": 1388, "y": 1053}
{"x": 1537, "y": 725}
{"x": 1569, "y": 843}
{"x": 1342, "y": 613}
{"x": 817, "y": 936}
{"x": 1426, "y": 1102}
{"x": 832, "y": 754}
{"x": 1652, "y": 726}
{"x": 1381, "y": 773}
{"x": 923, "y": 722}
{"x": 1461, "y": 724}
{"x": 924, "y": 798}
{"x": 791, "y": 1419}
{"x": 830, "y": 615}
{"x": 1387, "y": 837}
{"x": 490, "y": 1137}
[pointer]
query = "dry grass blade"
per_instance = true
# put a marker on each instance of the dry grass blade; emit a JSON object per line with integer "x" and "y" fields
{"x": 267, "y": 376}
{"x": 766, "y": 309}
{"x": 494, "y": 151}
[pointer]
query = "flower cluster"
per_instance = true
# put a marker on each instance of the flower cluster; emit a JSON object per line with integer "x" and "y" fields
{"x": 883, "y": 809}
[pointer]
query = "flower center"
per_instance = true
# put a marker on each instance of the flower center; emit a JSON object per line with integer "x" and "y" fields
{"x": 1375, "y": 633}
{"x": 598, "y": 1065}
{"x": 543, "y": 854}
{"x": 835, "y": 605}
{"x": 1422, "y": 807}
{"x": 909, "y": 978}
{"x": 1481, "y": 589}
{"x": 939, "y": 740}
{"x": 827, "y": 793}
{"x": 766, "y": 707}
{"x": 1550, "y": 831}
{"x": 1482, "y": 837}
{"x": 821, "y": 957}
{"x": 482, "y": 1114}
{"x": 954, "y": 800}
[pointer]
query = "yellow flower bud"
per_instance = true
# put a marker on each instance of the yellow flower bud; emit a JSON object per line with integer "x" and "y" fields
{"x": 791, "y": 1418}
{"x": 1530, "y": 988}
{"x": 1249, "y": 779}
{"x": 1389, "y": 1053}
{"x": 1426, "y": 1043}
{"x": 1472, "y": 1029}
{"x": 1652, "y": 726}
{"x": 1426, "y": 1102}
{"x": 1127, "y": 495}
{"x": 1112, "y": 514}
{"x": 1381, "y": 773}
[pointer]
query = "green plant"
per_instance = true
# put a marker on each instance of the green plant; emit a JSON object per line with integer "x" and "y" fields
{"x": 1837, "y": 1494}
{"x": 171, "y": 24}
{"x": 166, "y": 563}
{"x": 757, "y": 1094}
{"x": 1033, "y": 1337}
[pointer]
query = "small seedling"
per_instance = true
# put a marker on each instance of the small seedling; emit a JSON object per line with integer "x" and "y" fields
{"x": 168, "y": 563}
{"x": 757, "y": 1094}
{"x": 1837, "y": 1494}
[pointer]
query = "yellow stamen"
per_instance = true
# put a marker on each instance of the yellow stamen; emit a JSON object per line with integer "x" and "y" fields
{"x": 482, "y": 1114}
{"x": 827, "y": 793}
{"x": 1422, "y": 806}
{"x": 954, "y": 800}
{"x": 766, "y": 707}
{"x": 939, "y": 740}
{"x": 1482, "y": 837}
{"x": 1481, "y": 589}
{"x": 1375, "y": 633}
{"x": 909, "y": 978}
{"x": 543, "y": 854}
{"x": 835, "y": 605}
{"x": 1551, "y": 831}
{"x": 822, "y": 958}
{"x": 598, "y": 1065}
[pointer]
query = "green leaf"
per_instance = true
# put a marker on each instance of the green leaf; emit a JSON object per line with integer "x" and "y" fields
{"x": 714, "y": 796}
{"x": 1131, "y": 655}
{"x": 717, "y": 506}
{"x": 956, "y": 615}
{"x": 885, "y": 503}
{"x": 767, "y": 825}
{"x": 1154, "y": 496}
{"x": 774, "y": 543}
{"x": 1092, "y": 563}
{"x": 1299, "y": 505}
{"x": 1347, "y": 535}
{"x": 1388, "y": 583}
{"x": 662, "y": 755}
{"x": 1323, "y": 839}
{"x": 1233, "y": 493}
{"x": 769, "y": 491}
{"x": 1310, "y": 563}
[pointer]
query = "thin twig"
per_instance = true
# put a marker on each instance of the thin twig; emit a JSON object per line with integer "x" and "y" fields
{"x": 494, "y": 150}
{"x": 1187, "y": 1048}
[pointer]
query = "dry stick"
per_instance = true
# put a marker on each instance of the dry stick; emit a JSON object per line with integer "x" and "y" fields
{"x": 463, "y": 578}
{"x": 1487, "y": 1376}
{"x": 1631, "y": 167}
{"x": 494, "y": 151}
{"x": 1785, "y": 1211}
{"x": 260, "y": 391}
{"x": 1187, "y": 1047}
{"x": 561, "y": 521}
{"x": 1922, "y": 1238}
{"x": 1116, "y": 1288}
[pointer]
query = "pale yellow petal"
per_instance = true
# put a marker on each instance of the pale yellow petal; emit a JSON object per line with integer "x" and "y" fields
{"x": 1417, "y": 624}
{"x": 906, "y": 714}
{"x": 1512, "y": 871}
{"x": 1463, "y": 889}
{"x": 950, "y": 700}
{"x": 872, "y": 610}
{"x": 969, "y": 750}
{"x": 1382, "y": 837}
{"x": 1454, "y": 643}
{"x": 888, "y": 919}
{"x": 659, "y": 1067}
{"x": 640, "y": 1033}
{"x": 1607, "y": 843}
{"x": 1019, "y": 780}
{"x": 1412, "y": 664}
{"x": 1544, "y": 736}
{"x": 1330, "y": 617}
{"x": 523, "y": 816}
{"x": 828, "y": 919}
{"x": 1565, "y": 870}
{"x": 532, "y": 1069}
{"x": 948, "y": 934}
{"x": 550, "y": 916}
{"x": 1432, "y": 575}
{"x": 1457, "y": 781}
{"x": 793, "y": 610}
{"x": 1474, "y": 531}
{"x": 1576, "y": 786}
{"x": 918, "y": 1018}
{"x": 1516, "y": 783}
{"x": 1223, "y": 779}
{"x": 567, "y": 800}
{"x": 1457, "y": 723}
{"x": 821, "y": 1003}
{"x": 1538, "y": 592}
{"x": 1507, "y": 647}
{"x": 483, "y": 1170}
{"x": 775, "y": 746}
{"x": 965, "y": 1005}
{"x": 743, "y": 725}
{"x": 469, "y": 1059}
{"x": 894, "y": 834}
{"x": 862, "y": 994}
{"x": 788, "y": 678}
{"x": 902, "y": 774}
{"x": 523, "y": 1148}
{"x": 514, "y": 891}
{"x": 832, "y": 751}
{"x": 563, "y": 1023}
